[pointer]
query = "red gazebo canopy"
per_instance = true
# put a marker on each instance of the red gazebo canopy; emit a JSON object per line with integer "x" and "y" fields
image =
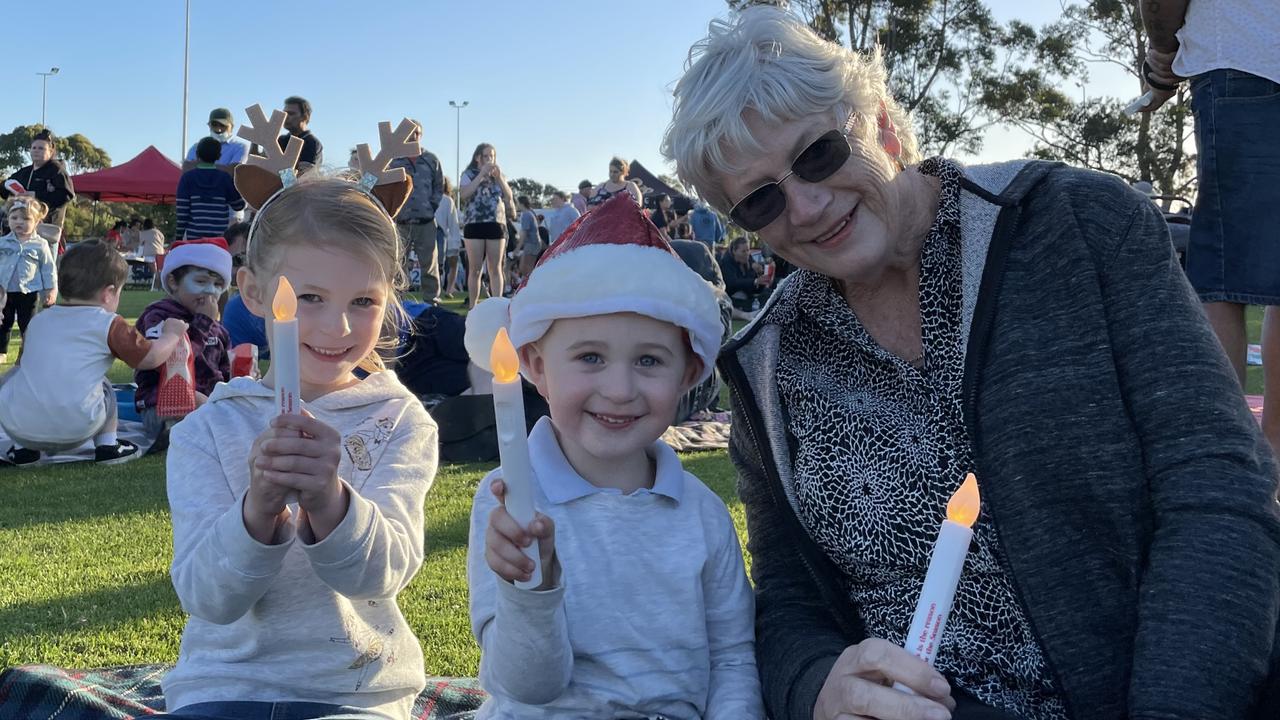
{"x": 148, "y": 178}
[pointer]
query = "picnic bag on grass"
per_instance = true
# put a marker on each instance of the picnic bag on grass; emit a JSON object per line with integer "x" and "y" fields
{"x": 177, "y": 394}
{"x": 468, "y": 431}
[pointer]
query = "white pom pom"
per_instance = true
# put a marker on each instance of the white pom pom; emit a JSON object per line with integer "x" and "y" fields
{"x": 483, "y": 323}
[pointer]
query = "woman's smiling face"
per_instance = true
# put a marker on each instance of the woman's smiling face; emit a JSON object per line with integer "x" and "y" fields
{"x": 844, "y": 226}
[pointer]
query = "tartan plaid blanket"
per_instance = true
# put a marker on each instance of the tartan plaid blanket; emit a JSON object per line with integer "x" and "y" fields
{"x": 44, "y": 692}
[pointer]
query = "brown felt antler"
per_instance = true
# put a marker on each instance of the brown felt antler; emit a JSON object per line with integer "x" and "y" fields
{"x": 390, "y": 187}
{"x": 264, "y": 133}
{"x": 261, "y": 177}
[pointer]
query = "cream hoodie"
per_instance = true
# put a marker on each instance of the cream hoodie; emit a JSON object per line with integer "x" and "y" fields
{"x": 297, "y": 621}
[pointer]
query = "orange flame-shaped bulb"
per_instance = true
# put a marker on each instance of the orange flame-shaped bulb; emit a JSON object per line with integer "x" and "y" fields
{"x": 285, "y": 304}
{"x": 503, "y": 358}
{"x": 963, "y": 507}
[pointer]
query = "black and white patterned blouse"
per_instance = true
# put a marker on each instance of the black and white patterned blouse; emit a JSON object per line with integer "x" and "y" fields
{"x": 880, "y": 446}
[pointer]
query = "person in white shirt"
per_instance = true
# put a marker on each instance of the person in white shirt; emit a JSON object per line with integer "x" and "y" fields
{"x": 560, "y": 216}
{"x": 1229, "y": 50}
{"x": 58, "y": 397}
{"x": 294, "y": 533}
{"x": 449, "y": 231}
{"x": 644, "y": 609}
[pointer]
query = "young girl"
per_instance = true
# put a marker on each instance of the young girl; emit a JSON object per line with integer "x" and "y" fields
{"x": 27, "y": 271}
{"x": 295, "y": 604}
{"x": 644, "y": 609}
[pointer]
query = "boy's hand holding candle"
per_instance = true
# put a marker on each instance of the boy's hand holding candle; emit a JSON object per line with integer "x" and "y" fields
{"x": 506, "y": 543}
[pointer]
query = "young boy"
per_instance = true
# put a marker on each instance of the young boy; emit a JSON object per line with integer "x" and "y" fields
{"x": 196, "y": 273}
{"x": 644, "y": 608}
{"x": 58, "y": 396}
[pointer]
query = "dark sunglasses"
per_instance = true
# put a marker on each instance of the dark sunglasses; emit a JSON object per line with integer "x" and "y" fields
{"x": 817, "y": 162}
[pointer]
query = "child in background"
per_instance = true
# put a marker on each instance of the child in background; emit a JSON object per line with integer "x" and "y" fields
{"x": 58, "y": 396}
{"x": 196, "y": 274}
{"x": 151, "y": 245}
{"x": 644, "y": 609}
{"x": 293, "y": 607}
{"x": 28, "y": 273}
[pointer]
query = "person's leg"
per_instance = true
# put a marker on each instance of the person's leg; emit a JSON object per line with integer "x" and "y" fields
{"x": 451, "y": 275}
{"x": 495, "y": 255}
{"x": 6, "y": 320}
{"x": 26, "y": 308}
{"x": 475, "y": 261}
{"x": 1228, "y": 324}
{"x": 424, "y": 244}
{"x": 1271, "y": 377}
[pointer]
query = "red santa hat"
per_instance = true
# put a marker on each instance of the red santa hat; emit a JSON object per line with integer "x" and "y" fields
{"x": 611, "y": 260}
{"x": 207, "y": 253}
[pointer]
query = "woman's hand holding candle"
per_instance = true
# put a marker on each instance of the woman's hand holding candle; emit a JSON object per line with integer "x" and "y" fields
{"x": 856, "y": 686}
{"x": 505, "y": 542}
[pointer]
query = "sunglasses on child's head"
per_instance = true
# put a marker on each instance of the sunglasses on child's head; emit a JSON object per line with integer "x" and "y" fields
{"x": 817, "y": 162}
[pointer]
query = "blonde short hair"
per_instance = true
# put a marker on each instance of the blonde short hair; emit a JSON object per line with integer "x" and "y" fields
{"x": 333, "y": 213}
{"x": 767, "y": 60}
{"x": 33, "y": 207}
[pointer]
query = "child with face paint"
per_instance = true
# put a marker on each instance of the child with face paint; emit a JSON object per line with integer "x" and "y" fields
{"x": 196, "y": 274}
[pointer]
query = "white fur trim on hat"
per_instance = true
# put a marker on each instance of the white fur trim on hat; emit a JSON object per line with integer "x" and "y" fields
{"x": 202, "y": 255}
{"x": 604, "y": 279}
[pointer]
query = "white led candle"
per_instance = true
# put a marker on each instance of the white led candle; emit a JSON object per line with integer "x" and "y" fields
{"x": 940, "y": 581}
{"x": 284, "y": 354}
{"x": 513, "y": 443}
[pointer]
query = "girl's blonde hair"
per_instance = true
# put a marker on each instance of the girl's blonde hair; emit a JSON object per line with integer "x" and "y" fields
{"x": 34, "y": 207}
{"x": 333, "y": 213}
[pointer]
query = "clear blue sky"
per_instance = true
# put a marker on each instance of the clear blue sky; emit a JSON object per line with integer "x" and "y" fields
{"x": 558, "y": 87}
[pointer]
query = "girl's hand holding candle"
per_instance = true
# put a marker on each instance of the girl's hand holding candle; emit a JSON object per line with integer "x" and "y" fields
{"x": 513, "y": 444}
{"x": 945, "y": 566}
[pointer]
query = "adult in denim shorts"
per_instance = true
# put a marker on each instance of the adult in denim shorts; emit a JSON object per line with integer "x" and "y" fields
{"x": 1229, "y": 50}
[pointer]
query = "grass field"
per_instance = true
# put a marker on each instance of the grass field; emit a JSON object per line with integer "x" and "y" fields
{"x": 85, "y": 551}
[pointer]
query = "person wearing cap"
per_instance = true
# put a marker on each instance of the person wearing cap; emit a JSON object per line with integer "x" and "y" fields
{"x": 196, "y": 274}
{"x": 583, "y": 196}
{"x": 232, "y": 150}
{"x": 46, "y": 178}
{"x": 612, "y": 328}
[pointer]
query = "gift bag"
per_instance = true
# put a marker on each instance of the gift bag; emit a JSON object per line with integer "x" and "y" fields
{"x": 244, "y": 360}
{"x": 177, "y": 395}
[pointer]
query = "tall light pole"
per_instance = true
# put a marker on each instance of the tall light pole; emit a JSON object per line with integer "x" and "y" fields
{"x": 186, "y": 67}
{"x": 44, "y": 90}
{"x": 457, "y": 143}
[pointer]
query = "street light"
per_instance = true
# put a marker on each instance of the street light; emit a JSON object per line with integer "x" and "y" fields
{"x": 457, "y": 143}
{"x": 44, "y": 85}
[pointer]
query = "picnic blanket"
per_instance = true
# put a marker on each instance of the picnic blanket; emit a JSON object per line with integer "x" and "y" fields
{"x": 703, "y": 431}
{"x": 130, "y": 428}
{"x": 44, "y": 692}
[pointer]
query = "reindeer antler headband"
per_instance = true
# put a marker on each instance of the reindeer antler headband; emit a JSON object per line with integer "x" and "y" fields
{"x": 260, "y": 179}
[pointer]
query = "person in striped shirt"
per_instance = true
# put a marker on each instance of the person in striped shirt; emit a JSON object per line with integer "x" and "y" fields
{"x": 207, "y": 196}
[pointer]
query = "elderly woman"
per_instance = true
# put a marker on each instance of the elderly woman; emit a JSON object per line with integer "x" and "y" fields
{"x": 1022, "y": 321}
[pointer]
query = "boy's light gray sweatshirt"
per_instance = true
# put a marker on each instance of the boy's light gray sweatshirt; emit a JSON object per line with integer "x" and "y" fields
{"x": 299, "y": 621}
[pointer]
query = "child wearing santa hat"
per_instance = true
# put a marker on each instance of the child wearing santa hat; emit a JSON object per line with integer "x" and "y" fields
{"x": 644, "y": 609}
{"x": 196, "y": 274}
